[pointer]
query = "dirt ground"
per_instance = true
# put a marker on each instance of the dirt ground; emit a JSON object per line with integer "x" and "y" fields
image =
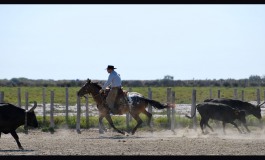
{"x": 183, "y": 142}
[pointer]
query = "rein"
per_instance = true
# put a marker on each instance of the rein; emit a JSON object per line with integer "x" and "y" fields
{"x": 96, "y": 94}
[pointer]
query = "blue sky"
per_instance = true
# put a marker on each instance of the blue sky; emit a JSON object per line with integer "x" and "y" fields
{"x": 144, "y": 42}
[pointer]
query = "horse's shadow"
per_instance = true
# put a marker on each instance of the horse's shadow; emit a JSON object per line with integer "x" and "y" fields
{"x": 19, "y": 150}
{"x": 115, "y": 137}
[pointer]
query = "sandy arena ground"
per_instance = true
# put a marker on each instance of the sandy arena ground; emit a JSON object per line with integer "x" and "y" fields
{"x": 184, "y": 142}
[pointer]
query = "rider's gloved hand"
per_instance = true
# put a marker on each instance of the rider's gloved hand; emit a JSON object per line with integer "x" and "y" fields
{"x": 100, "y": 91}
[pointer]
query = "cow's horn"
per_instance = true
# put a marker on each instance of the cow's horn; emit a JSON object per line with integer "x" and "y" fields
{"x": 261, "y": 104}
{"x": 32, "y": 109}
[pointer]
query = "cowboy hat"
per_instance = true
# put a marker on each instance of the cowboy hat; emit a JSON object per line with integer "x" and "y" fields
{"x": 110, "y": 67}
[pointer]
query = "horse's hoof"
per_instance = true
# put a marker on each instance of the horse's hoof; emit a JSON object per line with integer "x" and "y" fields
{"x": 205, "y": 133}
{"x": 21, "y": 148}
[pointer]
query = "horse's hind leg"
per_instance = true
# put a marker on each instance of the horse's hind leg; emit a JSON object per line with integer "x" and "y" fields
{"x": 139, "y": 122}
{"x": 149, "y": 115}
{"x": 112, "y": 125}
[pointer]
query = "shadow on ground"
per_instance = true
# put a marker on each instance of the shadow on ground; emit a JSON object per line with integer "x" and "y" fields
{"x": 26, "y": 150}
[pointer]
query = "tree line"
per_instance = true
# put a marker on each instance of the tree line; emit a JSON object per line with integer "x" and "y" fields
{"x": 252, "y": 81}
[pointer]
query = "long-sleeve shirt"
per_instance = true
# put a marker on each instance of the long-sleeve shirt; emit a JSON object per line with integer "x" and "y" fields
{"x": 114, "y": 80}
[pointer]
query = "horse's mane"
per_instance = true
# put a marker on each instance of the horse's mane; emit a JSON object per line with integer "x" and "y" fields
{"x": 96, "y": 84}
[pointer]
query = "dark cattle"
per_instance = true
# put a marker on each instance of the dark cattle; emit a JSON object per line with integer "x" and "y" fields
{"x": 221, "y": 112}
{"x": 247, "y": 107}
{"x": 11, "y": 117}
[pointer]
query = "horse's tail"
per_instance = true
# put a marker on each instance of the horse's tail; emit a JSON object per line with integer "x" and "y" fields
{"x": 193, "y": 113}
{"x": 154, "y": 103}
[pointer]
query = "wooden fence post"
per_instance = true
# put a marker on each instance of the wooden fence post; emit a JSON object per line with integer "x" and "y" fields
{"x": 26, "y": 108}
{"x": 150, "y": 109}
{"x": 87, "y": 115}
{"x": 218, "y": 93}
{"x": 2, "y": 95}
{"x": 66, "y": 104}
{"x": 128, "y": 116}
{"x": 264, "y": 95}
{"x": 26, "y": 100}
{"x": 235, "y": 94}
{"x": 211, "y": 93}
{"x": 169, "y": 99}
{"x": 127, "y": 120}
{"x": 173, "y": 112}
{"x": 258, "y": 96}
{"x": 78, "y": 115}
{"x": 44, "y": 104}
{"x": 51, "y": 110}
{"x": 243, "y": 95}
{"x": 193, "y": 109}
{"x": 19, "y": 97}
{"x": 149, "y": 97}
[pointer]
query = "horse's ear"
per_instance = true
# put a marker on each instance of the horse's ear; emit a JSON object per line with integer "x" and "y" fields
{"x": 88, "y": 80}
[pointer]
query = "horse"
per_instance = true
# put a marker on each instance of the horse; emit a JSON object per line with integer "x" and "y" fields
{"x": 132, "y": 102}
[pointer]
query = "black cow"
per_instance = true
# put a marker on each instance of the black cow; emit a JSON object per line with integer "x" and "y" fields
{"x": 247, "y": 107}
{"x": 11, "y": 117}
{"x": 221, "y": 112}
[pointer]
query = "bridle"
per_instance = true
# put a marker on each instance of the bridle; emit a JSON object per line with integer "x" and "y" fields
{"x": 86, "y": 90}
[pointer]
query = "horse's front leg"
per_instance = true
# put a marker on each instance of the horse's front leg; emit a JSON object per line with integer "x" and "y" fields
{"x": 112, "y": 125}
{"x": 101, "y": 126}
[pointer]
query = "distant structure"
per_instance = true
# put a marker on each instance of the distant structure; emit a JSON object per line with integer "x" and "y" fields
{"x": 168, "y": 77}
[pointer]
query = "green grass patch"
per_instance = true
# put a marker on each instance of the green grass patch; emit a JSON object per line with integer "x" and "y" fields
{"x": 183, "y": 94}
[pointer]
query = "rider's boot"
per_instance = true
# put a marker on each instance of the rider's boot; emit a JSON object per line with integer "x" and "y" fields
{"x": 113, "y": 109}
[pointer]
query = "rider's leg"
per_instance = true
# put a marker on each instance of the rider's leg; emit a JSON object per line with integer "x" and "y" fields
{"x": 111, "y": 99}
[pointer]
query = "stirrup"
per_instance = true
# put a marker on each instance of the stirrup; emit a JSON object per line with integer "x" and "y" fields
{"x": 114, "y": 111}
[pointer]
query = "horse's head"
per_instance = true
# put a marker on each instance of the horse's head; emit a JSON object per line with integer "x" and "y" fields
{"x": 89, "y": 88}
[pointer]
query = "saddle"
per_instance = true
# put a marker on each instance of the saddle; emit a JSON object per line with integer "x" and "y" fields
{"x": 121, "y": 93}
{"x": 121, "y": 99}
